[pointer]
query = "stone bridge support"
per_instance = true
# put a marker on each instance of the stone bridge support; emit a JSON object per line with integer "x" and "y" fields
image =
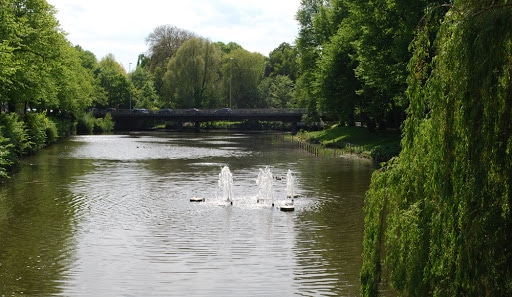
{"x": 294, "y": 128}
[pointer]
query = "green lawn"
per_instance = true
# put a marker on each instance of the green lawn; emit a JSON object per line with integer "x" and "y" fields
{"x": 379, "y": 145}
{"x": 356, "y": 135}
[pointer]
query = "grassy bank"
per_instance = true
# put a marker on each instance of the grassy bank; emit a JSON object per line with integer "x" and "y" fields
{"x": 379, "y": 145}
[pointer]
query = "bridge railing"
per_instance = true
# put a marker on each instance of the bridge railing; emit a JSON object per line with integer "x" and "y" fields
{"x": 242, "y": 111}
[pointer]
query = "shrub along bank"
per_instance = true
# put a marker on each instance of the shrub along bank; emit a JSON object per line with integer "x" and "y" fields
{"x": 28, "y": 133}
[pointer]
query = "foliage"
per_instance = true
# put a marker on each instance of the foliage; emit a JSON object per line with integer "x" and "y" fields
{"x": 226, "y": 49}
{"x": 65, "y": 126}
{"x": 105, "y": 124}
{"x": 356, "y": 135}
{"x": 387, "y": 29}
{"x": 381, "y": 146}
{"x": 247, "y": 73}
{"x": 112, "y": 78}
{"x": 78, "y": 88}
{"x": 147, "y": 97}
{"x": 164, "y": 42}
{"x": 14, "y": 129}
{"x": 42, "y": 130}
{"x": 85, "y": 124}
{"x": 308, "y": 47}
{"x": 283, "y": 62}
{"x": 52, "y": 132}
{"x": 5, "y": 162}
{"x": 312, "y": 118}
{"x": 383, "y": 153}
{"x": 241, "y": 75}
{"x": 439, "y": 216}
{"x": 36, "y": 125}
{"x": 27, "y": 134}
{"x": 89, "y": 63}
{"x": 40, "y": 69}
{"x": 253, "y": 125}
{"x": 276, "y": 92}
{"x": 353, "y": 58}
{"x": 336, "y": 84}
{"x": 192, "y": 74}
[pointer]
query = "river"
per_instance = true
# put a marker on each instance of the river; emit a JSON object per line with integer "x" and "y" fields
{"x": 110, "y": 215}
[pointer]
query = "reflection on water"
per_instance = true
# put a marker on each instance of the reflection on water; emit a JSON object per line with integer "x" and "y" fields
{"x": 111, "y": 216}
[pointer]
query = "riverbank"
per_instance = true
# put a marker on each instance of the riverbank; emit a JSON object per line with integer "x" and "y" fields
{"x": 341, "y": 140}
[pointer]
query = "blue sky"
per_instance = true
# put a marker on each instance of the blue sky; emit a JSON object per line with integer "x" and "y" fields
{"x": 120, "y": 27}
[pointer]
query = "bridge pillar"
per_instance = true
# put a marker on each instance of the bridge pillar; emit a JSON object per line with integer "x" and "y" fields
{"x": 294, "y": 128}
{"x": 198, "y": 126}
{"x": 179, "y": 126}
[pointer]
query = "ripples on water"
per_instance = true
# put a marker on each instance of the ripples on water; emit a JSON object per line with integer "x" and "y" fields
{"x": 135, "y": 232}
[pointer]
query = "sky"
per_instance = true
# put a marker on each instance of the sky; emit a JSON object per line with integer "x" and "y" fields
{"x": 120, "y": 27}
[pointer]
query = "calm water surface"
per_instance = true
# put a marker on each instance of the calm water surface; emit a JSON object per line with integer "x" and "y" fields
{"x": 111, "y": 216}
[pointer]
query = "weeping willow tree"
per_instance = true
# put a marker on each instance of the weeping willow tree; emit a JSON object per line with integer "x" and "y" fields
{"x": 438, "y": 218}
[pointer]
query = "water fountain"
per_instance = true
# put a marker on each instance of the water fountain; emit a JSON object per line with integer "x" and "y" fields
{"x": 290, "y": 193}
{"x": 265, "y": 188}
{"x": 226, "y": 184}
{"x": 264, "y": 183}
{"x": 290, "y": 185}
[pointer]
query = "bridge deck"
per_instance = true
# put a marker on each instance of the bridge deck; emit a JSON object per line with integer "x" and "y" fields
{"x": 207, "y": 115}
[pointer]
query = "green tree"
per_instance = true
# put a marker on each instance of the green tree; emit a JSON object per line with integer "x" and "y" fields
{"x": 7, "y": 36}
{"x": 5, "y": 163}
{"x": 113, "y": 79}
{"x": 34, "y": 43}
{"x": 226, "y": 49}
{"x": 147, "y": 97}
{"x": 336, "y": 84}
{"x": 283, "y": 61}
{"x": 308, "y": 45}
{"x": 277, "y": 92}
{"x": 164, "y": 42}
{"x": 145, "y": 91}
{"x": 77, "y": 87}
{"x": 192, "y": 75}
{"x": 40, "y": 68}
{"x": 439, "y": 216}
{"x": 247, "y": 72}
{"x": 386, "y": 31}
{"x": 90, "y": 64}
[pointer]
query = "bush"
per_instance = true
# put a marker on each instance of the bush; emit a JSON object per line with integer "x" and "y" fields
{"x": 383, "y": 153}
{"x": 13, "y": 129}
{"x": 36, "y": 129}
{"x": 52, "y": 132}
{"x": 108, "y": 123}
{"x": 65, "y": 126}
{"x": 105, "y": 124}
{"x": 5, "y": 162}
{"x": 20, "y": 136}
{"x": 85, "y": 124}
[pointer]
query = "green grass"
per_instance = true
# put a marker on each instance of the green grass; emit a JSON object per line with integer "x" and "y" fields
{"x": 379, "y": 145}
{"x": 356, "y": 136}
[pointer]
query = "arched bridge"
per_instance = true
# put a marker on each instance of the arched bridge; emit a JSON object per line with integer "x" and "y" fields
{"x": 135, "y": 119}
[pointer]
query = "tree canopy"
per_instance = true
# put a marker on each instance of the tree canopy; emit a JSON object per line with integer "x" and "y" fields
{"x": 438, "y": 218}
{"x": 192, "y": 74}
{"x": 38, "y": 63}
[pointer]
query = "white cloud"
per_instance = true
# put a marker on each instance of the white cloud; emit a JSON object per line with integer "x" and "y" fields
{"x": 120, "y": 27}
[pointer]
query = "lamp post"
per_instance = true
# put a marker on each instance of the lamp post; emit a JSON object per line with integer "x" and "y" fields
{"x": 230, "y": 79}
{"x": 129, "y": 91}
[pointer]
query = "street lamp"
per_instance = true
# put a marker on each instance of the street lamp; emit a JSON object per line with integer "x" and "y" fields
{"x": 129, "y": 91}
{"x": 230, "y": 79}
